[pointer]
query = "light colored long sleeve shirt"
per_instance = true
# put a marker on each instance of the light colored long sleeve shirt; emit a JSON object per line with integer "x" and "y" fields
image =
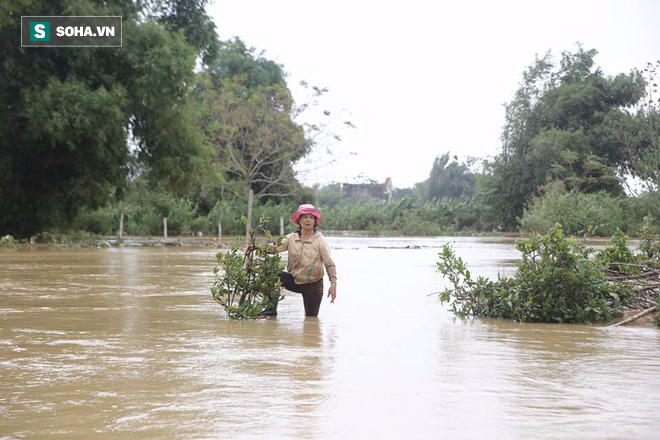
{"x": 308, "y": 258}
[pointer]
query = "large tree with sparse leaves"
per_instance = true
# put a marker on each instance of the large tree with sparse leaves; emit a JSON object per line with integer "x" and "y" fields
{"x": 250, "y": 120}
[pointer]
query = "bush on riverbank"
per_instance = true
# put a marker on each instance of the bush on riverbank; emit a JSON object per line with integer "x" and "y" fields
{"x": 598, "y": 214}
{"x": 444, "y": 217}
{"x": 555, "y": 282}
{"x": 144, "y": 215}
{"x": 580, "y": 214}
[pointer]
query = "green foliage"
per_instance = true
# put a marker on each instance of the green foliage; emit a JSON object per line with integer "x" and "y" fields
{"x": 582, "y": 172}
{"x": 641, "y": 134}
{"x": 447, "y": 180}
{"x": 650, "y": 241}
{"x": 555, "y": 282}
{"x": 468, "y": 296}
{"x": 329, "y": 195}
{"x": 235, "y": 59}
{"x": 159, "y": 73}
{"x": 650, "y": 248}
{"x": 578, "y": 213}
{"x": 229, "y": 213}
{"x": 445, "y": 216}
{"x": 248, "y": 118}
{"x": 591, "y": 214}
{"x": 560, "y": 126}
{"x": 145, "y": 206}
{"x": 247, "y": 284}
{"x": 70, "y": 239}
{"x": 190, "y": 17}
{"x": 619, "y": 257}
{"x": 9, "y": 242}
{"x": 255, "y": 136}
{"x": 639, "y": 207}
{"x": 68, "y": 116}
{"x": 364, "y": 216}
{"x": 102, "y": 221}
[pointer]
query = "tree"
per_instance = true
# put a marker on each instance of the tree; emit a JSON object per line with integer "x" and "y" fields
{"x": 68, "y": 116}
{"x": 329, "y": 195}
{"x": 256, "y": 139}
{"x": 235, "y": 59}
{"x": 190, "y": 17}
{"x": 251, "y": 119}
{"x": 640, "y": 134}
{"x": 560, "y": 125}
{"x": 450, "y": 180}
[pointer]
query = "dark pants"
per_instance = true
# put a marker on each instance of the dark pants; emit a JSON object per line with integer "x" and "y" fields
{"x": 312, "y": 293}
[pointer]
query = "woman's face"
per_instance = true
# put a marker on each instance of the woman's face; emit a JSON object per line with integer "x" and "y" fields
{"x": 307, "y": 221}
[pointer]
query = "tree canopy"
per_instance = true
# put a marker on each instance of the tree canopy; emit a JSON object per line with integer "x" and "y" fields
{"x": 446, "y": 179}
{"x": 640, "y": 134}
{"x": 250, "y": 120}
{"x": 561, "y": 124}
{"x": 73, "y": 120}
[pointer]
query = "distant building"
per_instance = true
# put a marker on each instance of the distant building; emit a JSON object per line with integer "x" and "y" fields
{"x": 379, "y": 191}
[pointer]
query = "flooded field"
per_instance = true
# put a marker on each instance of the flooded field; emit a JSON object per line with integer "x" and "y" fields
{"x": 128, "y": 343}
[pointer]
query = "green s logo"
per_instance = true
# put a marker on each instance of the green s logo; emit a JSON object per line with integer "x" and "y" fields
{"x": 39, "y": 31}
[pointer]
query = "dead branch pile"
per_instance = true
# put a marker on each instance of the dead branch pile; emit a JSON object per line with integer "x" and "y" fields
{"x": 644, "y": 280}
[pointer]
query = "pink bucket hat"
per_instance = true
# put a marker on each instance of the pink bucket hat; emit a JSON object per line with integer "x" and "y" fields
{"x": 306, "y": 209}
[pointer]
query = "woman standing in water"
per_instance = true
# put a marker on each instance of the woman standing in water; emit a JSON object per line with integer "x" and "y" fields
{"x": 308, "y": 255}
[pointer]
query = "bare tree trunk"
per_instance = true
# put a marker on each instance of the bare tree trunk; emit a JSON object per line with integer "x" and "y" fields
{"x": 165, "y": 228}
{"x": 248, "y": 226}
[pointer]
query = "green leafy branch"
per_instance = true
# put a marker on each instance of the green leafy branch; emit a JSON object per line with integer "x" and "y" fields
{"x": 556, "y": 281}
{"x": 247, "y": 282}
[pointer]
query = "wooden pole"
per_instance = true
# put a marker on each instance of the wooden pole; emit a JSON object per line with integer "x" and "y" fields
{"x": 249, "y": 217}
{"x": 281, "y": 225}
{"x": 220, "y": 231}
{"x": 165, "y": 227}
{"x": 121, "y": 225}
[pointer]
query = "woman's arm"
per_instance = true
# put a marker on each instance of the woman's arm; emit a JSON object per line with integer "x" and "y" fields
{"x": 330, "y": 268}
{"x": 271, "y": 248}
{"x": 283, "y": 246}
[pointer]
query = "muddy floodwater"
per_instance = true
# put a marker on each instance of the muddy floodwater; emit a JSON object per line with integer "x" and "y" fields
{"x": 128, "y": 343}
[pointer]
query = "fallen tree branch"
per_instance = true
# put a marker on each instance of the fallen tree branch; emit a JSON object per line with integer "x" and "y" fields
{"x": 641, "y": 276}
{"x": 642, "y": 265}
{"x": 636, "y": 317}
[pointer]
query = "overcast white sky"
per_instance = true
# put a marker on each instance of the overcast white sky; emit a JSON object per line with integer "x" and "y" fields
{"x": 420, "y": 78}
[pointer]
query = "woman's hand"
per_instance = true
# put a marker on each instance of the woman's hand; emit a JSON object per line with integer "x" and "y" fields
{"x": 332, "y": 292}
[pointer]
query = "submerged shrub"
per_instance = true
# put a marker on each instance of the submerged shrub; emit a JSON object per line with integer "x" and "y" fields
{"x": 555, "y": 282}
{"x": 247, "y": 285}
{"x": 619, "y": 257}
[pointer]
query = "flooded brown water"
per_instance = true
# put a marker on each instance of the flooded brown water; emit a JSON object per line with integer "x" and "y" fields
{"x": 127, "y": 343}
